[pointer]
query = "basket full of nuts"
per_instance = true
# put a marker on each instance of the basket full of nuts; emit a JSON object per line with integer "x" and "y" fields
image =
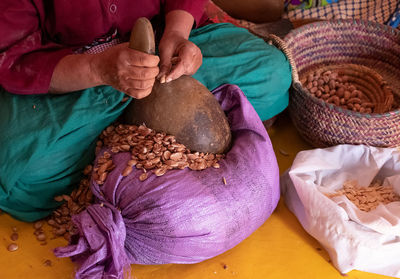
{"x": 346, "y": 83}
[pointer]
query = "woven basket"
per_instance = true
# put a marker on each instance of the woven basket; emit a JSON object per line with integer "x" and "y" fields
{"x": 332, "y": 44}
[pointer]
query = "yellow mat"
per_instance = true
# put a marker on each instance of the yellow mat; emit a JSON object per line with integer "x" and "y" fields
{"x": 280, "y": 248}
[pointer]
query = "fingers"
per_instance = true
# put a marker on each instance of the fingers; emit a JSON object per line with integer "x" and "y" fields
{"x": 178, "y": 70}
{"x": 127, "y": 70}
{"x": 139, "y": 76}
{"x": 139, "y": 84}
{"x": 141, "y": 59}
{"x": 190, "y": 59}
{"x": 166, "y": 54}
{"x": 137, "y": 88}
{"x": 134, "y": 72}
{"x": 138, "y": 93}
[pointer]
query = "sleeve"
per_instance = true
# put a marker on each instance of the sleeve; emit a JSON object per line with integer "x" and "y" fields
{"x": 27, "y": 60}
{"x": 194, "y": 7}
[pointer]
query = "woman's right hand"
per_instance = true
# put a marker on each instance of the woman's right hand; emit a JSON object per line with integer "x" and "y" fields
{"x": 127, "y": 70}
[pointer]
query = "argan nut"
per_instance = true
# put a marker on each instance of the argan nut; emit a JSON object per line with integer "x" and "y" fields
{"x": 336, "y": 100}
{"x": 58, "y": 198}
{"x": 103, "y": 176}
{"x": 41, "y": 237}
{"x": 37, "y": 225}
{"x": 106, "y": 155}
{"x": 340, "y": 92}
{"x": 332, "y": 84}
{"x": 12, "y": 247}
{"x": 143, "y": 176}
{"x": 176, "y": 156}
{"x": 60, "y": 231}
{"x": 132, "y": 162}
{"x": 325, "y": 96}
{"x": 127, "y": 171}
{"x": 160, "y": 171}
{"x": 354, "y": 100}
{"x": 14, "y": 236}
{"x": 87, "y": 170}
{"x": 216, "y": 166}
{"x": 354, "y": 94}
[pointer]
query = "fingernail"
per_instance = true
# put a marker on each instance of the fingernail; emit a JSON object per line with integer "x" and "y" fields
{"x": 168, "y": 79}
{"x": 162, "y": 80}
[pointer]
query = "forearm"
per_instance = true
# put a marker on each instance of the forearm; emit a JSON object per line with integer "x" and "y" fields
{"x": 174, "y": 45}
{"x": 74, "y": 72}
{"x": 127, "y": 70}
{"x": 179, "y": 22}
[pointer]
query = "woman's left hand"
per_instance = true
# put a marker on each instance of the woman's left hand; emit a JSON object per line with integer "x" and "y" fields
{"x": 178, "y": 56}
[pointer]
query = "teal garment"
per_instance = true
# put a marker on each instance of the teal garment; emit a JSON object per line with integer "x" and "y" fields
{"x": 47, "y": 140}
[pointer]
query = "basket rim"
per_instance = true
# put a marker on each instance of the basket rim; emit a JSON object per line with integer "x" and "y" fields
{"x": 364, "y": 22}
{"x": 332, "y": 22}
{"x": 317, "y": 101}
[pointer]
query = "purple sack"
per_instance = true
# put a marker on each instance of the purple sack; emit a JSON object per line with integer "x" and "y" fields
{"x": 183, "y": 216}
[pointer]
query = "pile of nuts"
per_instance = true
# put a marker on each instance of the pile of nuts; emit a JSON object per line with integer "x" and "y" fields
{"x": 337, "y": 89}
{"x": 75, "y": 203}
{"x": 152, "y": 152}
{"x": 40, "y": 235}
{"x": 14, "y": 237}
{"x": 367, "y": 198}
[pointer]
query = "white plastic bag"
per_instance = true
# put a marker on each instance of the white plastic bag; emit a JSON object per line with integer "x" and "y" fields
{"x": 354, "y": 239}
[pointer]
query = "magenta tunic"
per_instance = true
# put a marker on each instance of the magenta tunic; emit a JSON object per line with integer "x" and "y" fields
{"x": 34, "y": 37}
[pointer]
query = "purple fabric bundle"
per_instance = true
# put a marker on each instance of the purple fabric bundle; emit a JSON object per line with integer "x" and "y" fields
{"x": 184, "y": 216}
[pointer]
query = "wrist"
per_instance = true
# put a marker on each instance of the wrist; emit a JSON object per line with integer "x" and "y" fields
{"x": 94, "y": 75}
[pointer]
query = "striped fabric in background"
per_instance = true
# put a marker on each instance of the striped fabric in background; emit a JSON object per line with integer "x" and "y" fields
{"x": 381, "y": 11}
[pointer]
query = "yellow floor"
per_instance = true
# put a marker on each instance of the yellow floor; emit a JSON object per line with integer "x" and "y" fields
{"x": 278, "y": 249}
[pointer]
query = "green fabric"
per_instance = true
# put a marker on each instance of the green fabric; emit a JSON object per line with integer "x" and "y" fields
{"x": 47, "y": 140}
{"x": 233, "y": 55}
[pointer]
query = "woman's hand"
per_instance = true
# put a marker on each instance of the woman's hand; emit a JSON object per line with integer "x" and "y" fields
{"x": 179, "y": 56}
{"x": 127, "y": 70}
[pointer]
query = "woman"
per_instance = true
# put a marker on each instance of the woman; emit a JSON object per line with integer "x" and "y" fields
{"x": 59, "y": 90}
